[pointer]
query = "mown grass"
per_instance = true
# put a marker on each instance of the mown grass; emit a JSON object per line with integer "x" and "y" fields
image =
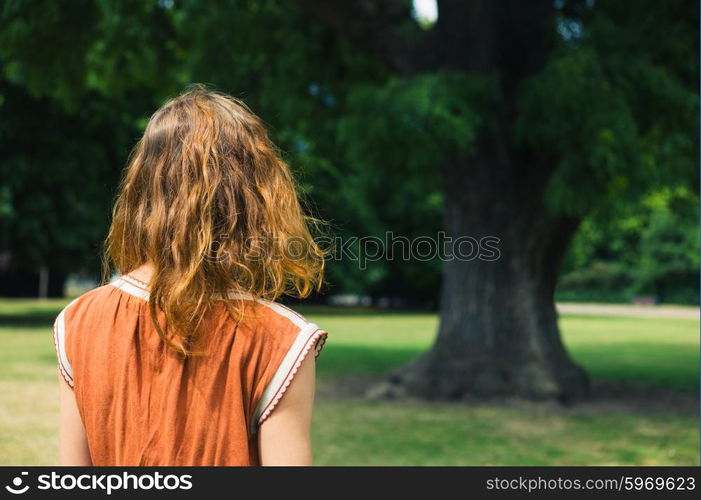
{"x": 372, "y": 433}
{"x": 659, "y": 352}
{"x": 659, "y": 355}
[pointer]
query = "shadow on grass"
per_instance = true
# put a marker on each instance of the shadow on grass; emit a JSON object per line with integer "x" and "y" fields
{"x": 337, "y": 361}
{"x": 349, "y": 371}
{"x": 322, "y": 310}
{"x": 24, "y": 320}
{"x": 29, "y": 318}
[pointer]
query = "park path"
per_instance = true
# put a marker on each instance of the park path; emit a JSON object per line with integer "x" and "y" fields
{"x": 676, "y": 312}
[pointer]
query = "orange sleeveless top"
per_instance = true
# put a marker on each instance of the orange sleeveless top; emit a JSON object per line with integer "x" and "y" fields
{"x": 142, "y": 403}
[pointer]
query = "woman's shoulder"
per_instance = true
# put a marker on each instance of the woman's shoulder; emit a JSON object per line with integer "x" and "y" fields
{"x": 283, "y": 339}
{"x": 279, "y": 324}
{"x": 89, "y": 299}
{"x": 75, "y": 314}
{"x": 282, "y": 314}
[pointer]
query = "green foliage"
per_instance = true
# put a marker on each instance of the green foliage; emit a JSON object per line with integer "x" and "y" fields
{"x": 65, "y": 51}
{"x": 615, "y": 109}
{"x": 575, "y": 112}
{"x": 669, "y": 254}
{"x": 74, "y": 81}
{"x": 598, "y": 281}
{"x": 394, "y": 137}
{"x": 414, "y": 125}
{"x": 651, "y": 248}
{"x": 43, "y": 43}
{"x": 54, "y": 192}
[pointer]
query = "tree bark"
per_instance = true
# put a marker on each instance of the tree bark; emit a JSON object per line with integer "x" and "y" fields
{"x": 498, "y": 333}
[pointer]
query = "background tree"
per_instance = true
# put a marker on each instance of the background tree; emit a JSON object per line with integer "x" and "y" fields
{"x": 511, "y": 119}
{"x": 564, "y": 126}
{"x": 77, "y": 81}
{"x": 649, "y": 248}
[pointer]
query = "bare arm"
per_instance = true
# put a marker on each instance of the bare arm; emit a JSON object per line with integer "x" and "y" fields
{"x": 72, "y": 442}
{"x": 283, "y": 438}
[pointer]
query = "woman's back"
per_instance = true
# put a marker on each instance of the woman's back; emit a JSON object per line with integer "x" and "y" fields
{"x": 143, "y": 403}
{"x": 185, "y": 369}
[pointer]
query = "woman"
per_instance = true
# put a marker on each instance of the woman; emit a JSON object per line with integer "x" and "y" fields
{"x": 185, "y": 359}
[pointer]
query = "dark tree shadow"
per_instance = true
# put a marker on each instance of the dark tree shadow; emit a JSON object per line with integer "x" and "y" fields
{"x": 353, "y": 371}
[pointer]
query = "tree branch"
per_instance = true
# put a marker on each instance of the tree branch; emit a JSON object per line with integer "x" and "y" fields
{"x": 383, "y": 28}
{"x": 510, "y": 36}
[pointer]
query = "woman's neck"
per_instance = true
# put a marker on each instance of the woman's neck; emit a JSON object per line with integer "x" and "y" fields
{"x": 142, "y": 273}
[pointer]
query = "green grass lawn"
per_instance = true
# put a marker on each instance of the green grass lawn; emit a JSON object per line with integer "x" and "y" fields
{"x": 650, "y": 356}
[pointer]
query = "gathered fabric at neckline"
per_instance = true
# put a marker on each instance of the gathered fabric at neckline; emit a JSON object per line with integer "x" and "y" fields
{"x": 140, "y": 289}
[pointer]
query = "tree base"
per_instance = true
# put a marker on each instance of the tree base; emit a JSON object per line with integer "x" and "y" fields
{"x": 434, "y": 377}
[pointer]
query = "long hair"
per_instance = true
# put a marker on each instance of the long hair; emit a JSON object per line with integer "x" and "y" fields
{"x": 207, "y": 200}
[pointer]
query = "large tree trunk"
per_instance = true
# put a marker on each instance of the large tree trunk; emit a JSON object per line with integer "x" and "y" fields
{"x": 498, "y": 333}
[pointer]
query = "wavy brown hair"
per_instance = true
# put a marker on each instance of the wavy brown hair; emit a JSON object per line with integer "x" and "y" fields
{"x": 207, "y": 200}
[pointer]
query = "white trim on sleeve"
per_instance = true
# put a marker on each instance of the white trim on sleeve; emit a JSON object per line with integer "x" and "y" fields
{"x": 60, "y": 344}
{"x": 311, "y": 336}
{"x": 286, "y": 312}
